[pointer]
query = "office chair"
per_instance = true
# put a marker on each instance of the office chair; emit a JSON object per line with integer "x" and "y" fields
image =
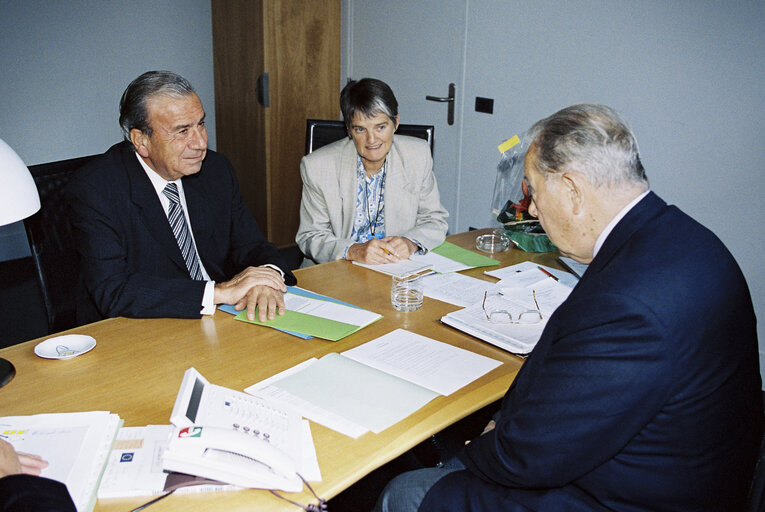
{"x": 50, "y": 241}
{"x": 320, "y": 132}
{"x": 756, "y": 501}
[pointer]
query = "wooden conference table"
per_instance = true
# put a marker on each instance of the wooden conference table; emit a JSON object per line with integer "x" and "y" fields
{"x": 137, "y": 365}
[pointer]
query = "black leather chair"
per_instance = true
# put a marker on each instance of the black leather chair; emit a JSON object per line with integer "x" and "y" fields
{"x": 319, "y": 132}
{"x": 50, "y": 241}
{"x": 756, "y": 502}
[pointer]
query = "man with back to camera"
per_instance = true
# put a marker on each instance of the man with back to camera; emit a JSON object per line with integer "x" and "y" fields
{"x": 644, "y": 392}
{"x": 158, "y": 221}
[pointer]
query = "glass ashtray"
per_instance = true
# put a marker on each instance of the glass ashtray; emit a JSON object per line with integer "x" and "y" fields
{"x": 492, "y": 242}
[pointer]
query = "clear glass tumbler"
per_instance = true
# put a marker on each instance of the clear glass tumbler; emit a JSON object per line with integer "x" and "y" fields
{"x": 406, "y": 292}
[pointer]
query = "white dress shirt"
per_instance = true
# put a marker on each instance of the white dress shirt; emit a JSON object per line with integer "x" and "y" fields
{"x": 611, "y": 225}
{"x": 159, "y": 183}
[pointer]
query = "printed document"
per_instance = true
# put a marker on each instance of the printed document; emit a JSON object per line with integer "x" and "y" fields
{"x": 528, "y": 273}
{"x": 76, "y": 446}
{"x": 522, "y": 287}
{"x": 457, "y": 289}
{"x": 385, "y": 380}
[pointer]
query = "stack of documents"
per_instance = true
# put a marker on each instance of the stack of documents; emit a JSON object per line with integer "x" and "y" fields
{"x": 522, "y": 287}
{"x": 134, "y": 467}
{"x": 76, "y": 446}
{"x": 377, "y": 384}
{"x": 445, "y": 258}
{"x": 311, "y": 315}
{"x": 457, "y": 289}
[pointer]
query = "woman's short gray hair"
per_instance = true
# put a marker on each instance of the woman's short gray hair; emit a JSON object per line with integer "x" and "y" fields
{"x": 133, "y": 111}
{"x": 369, "y": 96}
{"x": 591, "y": 140}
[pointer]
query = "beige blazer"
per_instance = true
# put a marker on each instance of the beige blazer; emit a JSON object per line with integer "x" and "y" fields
{"x": 412, "y": 205}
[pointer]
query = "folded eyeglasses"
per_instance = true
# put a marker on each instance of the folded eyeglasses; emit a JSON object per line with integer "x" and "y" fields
{"x": 503, "y": 316}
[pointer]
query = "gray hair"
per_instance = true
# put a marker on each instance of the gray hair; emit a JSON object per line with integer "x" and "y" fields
{"x": 591, "y": 140}
{"x": 133, "y": 111}
{"x": 369, "y": 96}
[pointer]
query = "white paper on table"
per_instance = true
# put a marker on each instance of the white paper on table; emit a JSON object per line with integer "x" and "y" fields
{"x": 76, "y": 446}
{"x": 308, "y": 464}
{"x": 267, "y": 389}
{"x": 516, "y": 338}
{"x": 135, "y": 463}
{"x": 549, "y": 295}
{"x": 416, "y": 370}
{"x": 527, "y": 273}
{"x": 329, "y": 310}
{"x": 438, "y": 263}
{"x": 457, "y": 289}
{"x": 357, "y": 392}
{"x": 399, "y": 268}
{"x": 432, "y": 364}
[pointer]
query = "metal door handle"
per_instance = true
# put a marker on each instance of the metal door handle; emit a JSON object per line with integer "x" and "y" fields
{"x": 449, "y": 99}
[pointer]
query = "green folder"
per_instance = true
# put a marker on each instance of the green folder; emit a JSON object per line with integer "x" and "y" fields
{"x": 303, "y": 323}
{"x": 464, "y": 256}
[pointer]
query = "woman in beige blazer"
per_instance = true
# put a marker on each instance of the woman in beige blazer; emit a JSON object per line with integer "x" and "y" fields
{"x": 372, "y": 197}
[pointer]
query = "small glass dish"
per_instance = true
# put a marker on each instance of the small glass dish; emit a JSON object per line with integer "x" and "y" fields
{"x": 493, "y": 242}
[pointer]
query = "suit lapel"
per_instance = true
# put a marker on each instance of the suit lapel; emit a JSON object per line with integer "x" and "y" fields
{"x": 348, "y": 186}
{"x": 395, "y": 181}
{"x": 149, "y": 208}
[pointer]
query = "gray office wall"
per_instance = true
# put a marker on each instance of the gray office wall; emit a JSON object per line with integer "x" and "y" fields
{"x": 65, "y": 64}
{"x": 687, "y": 74}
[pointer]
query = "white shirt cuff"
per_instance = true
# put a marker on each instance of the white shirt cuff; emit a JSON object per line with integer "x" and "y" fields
{"x": 208, "y": 299}
{"x": 269, "y": 265}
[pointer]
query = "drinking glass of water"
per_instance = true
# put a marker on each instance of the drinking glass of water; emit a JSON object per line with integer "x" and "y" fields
{"x": 406, "y": 292}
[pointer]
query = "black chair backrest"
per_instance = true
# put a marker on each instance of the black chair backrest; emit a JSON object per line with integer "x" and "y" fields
{"x": 319, "y": 132}
{"x": 50, "y": 241}
{"x": 756, "y": 502}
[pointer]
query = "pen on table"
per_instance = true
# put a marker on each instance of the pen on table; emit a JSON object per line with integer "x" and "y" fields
{"x": 546, "y": 272}
{"x": 386, "y": 251}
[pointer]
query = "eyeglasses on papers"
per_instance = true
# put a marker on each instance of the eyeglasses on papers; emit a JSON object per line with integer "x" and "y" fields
{"x": 503, "y": 316}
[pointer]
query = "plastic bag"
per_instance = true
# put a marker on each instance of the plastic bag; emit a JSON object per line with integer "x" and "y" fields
{"x": 507, "y": 186}
{"x": 511, "y": 199}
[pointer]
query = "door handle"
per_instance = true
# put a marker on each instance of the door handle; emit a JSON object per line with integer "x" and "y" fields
{"x": 261, "y": 88}
{"x": 449, "y": 99}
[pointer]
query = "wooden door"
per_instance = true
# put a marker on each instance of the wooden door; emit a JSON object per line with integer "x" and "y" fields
{"x": 297, "y": 42}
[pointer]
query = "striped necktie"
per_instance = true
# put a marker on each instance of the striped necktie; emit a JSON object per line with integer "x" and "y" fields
{"x": 182, "y": 233}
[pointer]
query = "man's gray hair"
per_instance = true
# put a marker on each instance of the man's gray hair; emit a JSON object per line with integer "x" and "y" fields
{"x": 133, "y": 110}
{"x": 591, "y": 140}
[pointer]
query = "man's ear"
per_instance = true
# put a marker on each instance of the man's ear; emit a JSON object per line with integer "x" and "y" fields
{"x": 574, "y": 189}
{"x": 140, "y": 142}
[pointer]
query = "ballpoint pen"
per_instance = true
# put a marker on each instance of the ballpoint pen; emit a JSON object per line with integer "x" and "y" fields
{"x": 546, "y": 272}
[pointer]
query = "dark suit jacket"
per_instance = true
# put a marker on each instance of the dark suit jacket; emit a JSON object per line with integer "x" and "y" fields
{"x": 26, "y": 493}
{"x": 130, "y": 261}
{"x": 643, "y": 393}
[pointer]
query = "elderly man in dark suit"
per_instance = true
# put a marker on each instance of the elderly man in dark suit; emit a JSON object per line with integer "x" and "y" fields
{"x": 643, "y": 393}
{"x": 158, "y": 220}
